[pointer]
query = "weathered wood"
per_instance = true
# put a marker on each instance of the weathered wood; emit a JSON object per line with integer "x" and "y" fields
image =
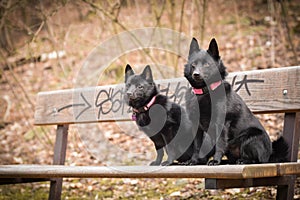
{"x": 7, "y": 181}
{"x": 291, "y": 133}
{"x": 286, "y": 191}
{"x": 285, "y": 179}
{"x": 203, "y": 171}
{"x": 59, "y": 157}
{"x": 220, "y": 172}
{"x": 289, "y": 169}
{"x": 60, "y": 146}
{"x": 200, "y": 171}
{"x": 264, "y": 91}
{"x": 251, "y": 182}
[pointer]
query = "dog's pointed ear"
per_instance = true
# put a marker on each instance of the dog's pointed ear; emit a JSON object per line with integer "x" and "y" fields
{"x": 194, "y": 47}
{"x": 128, "y": 72}
{"x": 147, "y": 74}
{"x": 213, "y": 49}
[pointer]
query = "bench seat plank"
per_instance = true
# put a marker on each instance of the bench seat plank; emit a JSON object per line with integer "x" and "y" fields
{"x": 220, "y": 172}
{"x": 200, "y": 171}
{"x": 289, "y": 169}
{"x": 264, "y": 91}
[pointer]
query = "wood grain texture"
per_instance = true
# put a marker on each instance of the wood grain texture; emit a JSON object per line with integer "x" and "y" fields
{"x": 264, "y": 91}
{"x": 57, "y": 171}
{"x": 278, "y": 181}
{"x": 289, "y": 169}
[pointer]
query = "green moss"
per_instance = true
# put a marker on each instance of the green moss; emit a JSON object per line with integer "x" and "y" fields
{"x": 24, "y": 192}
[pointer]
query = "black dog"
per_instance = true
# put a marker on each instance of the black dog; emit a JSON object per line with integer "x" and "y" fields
{"x": 224, "y": 116}
{"x": 165, "y": 123}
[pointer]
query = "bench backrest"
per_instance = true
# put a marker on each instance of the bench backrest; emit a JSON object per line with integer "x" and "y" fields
{"x": 264, "y": 91}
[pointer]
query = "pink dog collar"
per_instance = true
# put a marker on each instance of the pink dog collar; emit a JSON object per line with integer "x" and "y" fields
{"x": 145, "y": 108}
{"x": 212, "y": 86}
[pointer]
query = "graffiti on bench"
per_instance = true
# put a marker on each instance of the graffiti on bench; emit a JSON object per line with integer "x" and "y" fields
{"x": 111, "y": 100}
{"x": 86, "y": 105}
{"x": 244, "y": 82}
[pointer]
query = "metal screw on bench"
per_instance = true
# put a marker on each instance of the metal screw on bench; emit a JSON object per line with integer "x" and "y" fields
{"x": 284, "y": 92}
{"x": 55, "y": 111}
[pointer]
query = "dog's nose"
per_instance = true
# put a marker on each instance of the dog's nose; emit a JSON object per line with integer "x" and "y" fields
{"x": 196, "y": 74}
{"x": 129, "y": 94}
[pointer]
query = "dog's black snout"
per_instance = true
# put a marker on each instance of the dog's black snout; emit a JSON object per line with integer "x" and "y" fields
{"x": 129, "y": 94}
{"x": 196, "y": 74}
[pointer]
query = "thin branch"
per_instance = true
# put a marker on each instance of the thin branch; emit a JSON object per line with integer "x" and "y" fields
{"x": 203, "y": 20}
{"x": 272, "y": 10}
{"x": 238, "y": 26}
{"x": 180, "y": 30}
{"x": 112, "y": 18}
{"x": 116, "y": 9}
{"x": 158, "y": 14}
{"x": 289, "y": 35}
{"x": 38, "y": 31}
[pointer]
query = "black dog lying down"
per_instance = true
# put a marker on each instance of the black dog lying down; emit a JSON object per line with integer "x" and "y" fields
{"x": 164, "y": 122}
{"x": 236, "y": 132}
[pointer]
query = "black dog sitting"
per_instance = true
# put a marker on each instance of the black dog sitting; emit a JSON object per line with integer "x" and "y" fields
{"x": 164, "y": 122}
{"x": 236, "y": 132}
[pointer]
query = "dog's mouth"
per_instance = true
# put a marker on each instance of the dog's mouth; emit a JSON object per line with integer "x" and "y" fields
{"x": 134, "y": 97}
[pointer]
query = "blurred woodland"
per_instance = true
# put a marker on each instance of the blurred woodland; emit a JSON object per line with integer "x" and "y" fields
{"x": 44, "y": 45}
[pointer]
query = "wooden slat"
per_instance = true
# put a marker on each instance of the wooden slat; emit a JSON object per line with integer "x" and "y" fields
{"x": 7, "y": 181}
{"x": 57, "y": 171}
{"x": 252, "y": 182}
{"x": 264, "y": 91}
{"x": 59, "y": 157}
{"x": 289, "y": 169}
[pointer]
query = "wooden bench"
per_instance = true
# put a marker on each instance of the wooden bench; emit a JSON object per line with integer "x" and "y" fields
{"x": 264, "y": 91}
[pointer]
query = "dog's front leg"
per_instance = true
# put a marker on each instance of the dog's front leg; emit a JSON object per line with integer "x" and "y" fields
{"x": 170, "y": 148}
{"x": 171, "y": 155}
{"x": 198, "y": 140}
{"x": 221, "y": 145}
{"x": 159, "y": 157}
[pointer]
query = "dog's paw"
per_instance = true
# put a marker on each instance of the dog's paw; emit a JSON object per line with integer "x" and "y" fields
{"x": 195, "y": 160}
{"x": 213, "y": 162}
{"x": 166, "y": 163}
{"x": 154, "y": 163}
{"x": 240, "y": 162}
{"x": 190, "y": 162}
{"x": 244, "y": 162}
{"x": 183, "y": 163}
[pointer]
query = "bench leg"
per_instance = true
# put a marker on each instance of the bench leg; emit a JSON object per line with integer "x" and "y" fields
{"x": 291, "y": 133}
{"x": 286, "y": 192}
{"x": 59, "y": 159}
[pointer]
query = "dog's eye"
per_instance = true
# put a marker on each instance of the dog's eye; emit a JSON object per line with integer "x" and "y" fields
{"x": 194, "y": 64}
{"x": 140, "y": 87}
{"x": 206, "y": 65}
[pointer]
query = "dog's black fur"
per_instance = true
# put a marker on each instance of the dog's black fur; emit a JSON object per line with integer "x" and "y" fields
{"x": 237, "y": 133}
{"x": 165, "y": 123}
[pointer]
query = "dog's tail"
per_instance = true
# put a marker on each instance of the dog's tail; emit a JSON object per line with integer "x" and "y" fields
{"x": 280, "y": 151}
